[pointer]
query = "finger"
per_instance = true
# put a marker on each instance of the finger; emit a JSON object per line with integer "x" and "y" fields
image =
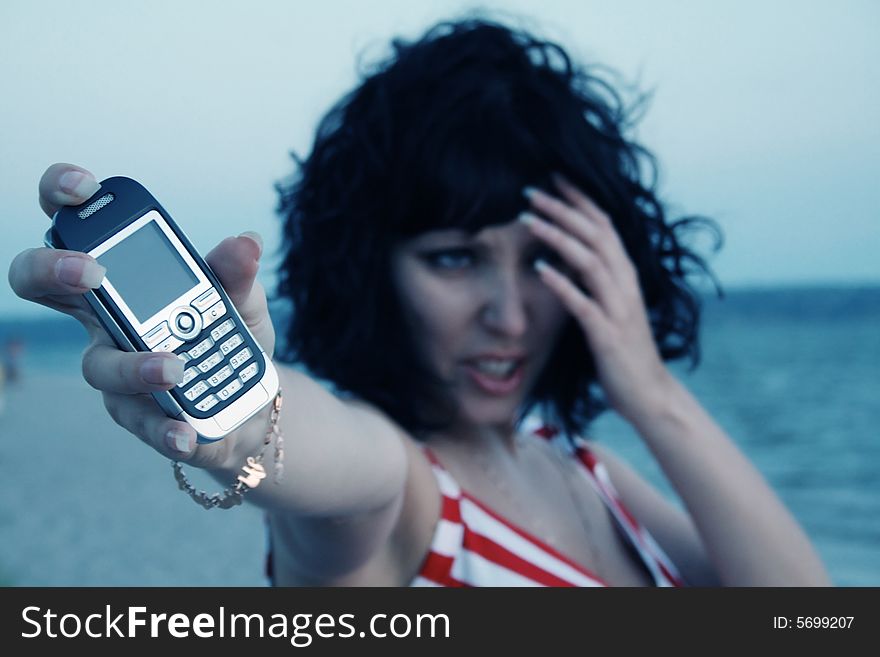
{"x": 583, "y": 260}
{"x": 236, "y": 262}
{"x": 586, "y": 311}
{"x": 581, "y": 201}
{"x": 255, "y": 312}
{"x": 571, "y": 220}
{"x": 565, "y": 215}
{"x": 604, "y": 229}
{"x": 578, "y": 224}
{"x": 65, "y": 184}
{"x": 140, "y": 415}
{"x": 36, "y": 273}
{"x": 108, "y": 369}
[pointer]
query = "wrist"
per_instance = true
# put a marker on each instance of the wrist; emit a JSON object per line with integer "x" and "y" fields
{"x": 254, "y": 465}
{"x": 665, "y": 404}
{"x": 246, "y": 440}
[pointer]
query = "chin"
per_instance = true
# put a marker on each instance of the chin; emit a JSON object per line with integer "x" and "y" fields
{"x": 487, "y": 412}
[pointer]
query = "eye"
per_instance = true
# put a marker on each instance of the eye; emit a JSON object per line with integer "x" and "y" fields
{"x": 450, "y": 259}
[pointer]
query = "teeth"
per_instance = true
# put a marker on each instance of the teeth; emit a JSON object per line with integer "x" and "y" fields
{"x": 495, "y": 367}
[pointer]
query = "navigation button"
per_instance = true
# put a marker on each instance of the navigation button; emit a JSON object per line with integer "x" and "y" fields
{"x": 185, "y": 323}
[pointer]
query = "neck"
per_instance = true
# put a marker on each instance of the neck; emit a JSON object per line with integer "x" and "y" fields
{"x": 487, "y": 440}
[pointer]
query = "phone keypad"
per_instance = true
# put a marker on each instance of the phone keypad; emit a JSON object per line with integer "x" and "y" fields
{"x": 207, "y": 403}
{"x": 231, "y": 344}
{"x": 220, "y": 375}
{"x": 210, "y": 362}
{"x": 222, "y": 329}
{"x": 219, "y": 361}
{"x": 169, "y": 344}
{"x": 188, "y": 375}
{"x": 200, "y": 349}
{"x": 213, "y": 313}
{"x": 196, "y": 391}
{"x": 248, "y": 372}
{"x": 240, "y": 358}
{"x": 230, "y": 389}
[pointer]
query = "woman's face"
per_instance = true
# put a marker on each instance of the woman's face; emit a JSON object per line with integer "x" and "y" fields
{"x": 483, "y": 319}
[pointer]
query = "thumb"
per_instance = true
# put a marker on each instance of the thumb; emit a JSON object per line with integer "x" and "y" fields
{"x": 236, "y": 262}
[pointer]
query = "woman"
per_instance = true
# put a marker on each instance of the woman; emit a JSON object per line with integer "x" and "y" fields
{"x": 472, "y": 244}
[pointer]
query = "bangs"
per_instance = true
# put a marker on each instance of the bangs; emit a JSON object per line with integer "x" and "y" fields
{"x": 472, "y": 165}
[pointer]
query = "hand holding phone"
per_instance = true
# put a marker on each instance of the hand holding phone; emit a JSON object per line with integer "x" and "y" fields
{"x": 159, "y": 295}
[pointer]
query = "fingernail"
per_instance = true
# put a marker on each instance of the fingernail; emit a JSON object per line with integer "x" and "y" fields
{"x": 79, "y": 272}
{"x": 161, "y": 370}
{"x": 526, "y": 217}
{"x": 179, "y": 441}
{"x": 78, "y": 184}
{"x": 255, "y": 237}
{"x": 529, "y": 192}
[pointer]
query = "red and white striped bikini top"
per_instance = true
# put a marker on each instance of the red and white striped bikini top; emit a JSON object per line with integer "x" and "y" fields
{"x": 474, "y": 546}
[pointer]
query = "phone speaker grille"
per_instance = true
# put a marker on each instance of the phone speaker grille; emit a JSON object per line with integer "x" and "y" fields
{"x": 92, "y": 208}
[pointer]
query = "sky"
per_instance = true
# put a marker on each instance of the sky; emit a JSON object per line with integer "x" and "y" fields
{"x": 764, "y": 115}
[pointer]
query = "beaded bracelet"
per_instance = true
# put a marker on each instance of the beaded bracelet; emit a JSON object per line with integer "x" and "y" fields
{"x": 254, "y": 470}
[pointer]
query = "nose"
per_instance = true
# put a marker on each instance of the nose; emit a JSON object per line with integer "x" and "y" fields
{"x": 505, "y": 310}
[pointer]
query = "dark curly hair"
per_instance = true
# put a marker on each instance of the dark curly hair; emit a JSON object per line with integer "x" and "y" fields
{"x": 446, "y": 132}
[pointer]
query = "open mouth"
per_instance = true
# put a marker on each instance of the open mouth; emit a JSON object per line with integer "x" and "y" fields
{"x": 496, "y": 376}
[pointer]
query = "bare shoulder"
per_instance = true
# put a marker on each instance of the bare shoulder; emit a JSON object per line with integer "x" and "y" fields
{"x": 622, "y": 474}
{"x": 671, "y": 526}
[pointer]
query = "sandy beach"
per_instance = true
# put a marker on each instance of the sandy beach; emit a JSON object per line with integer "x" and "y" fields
{"x": 96, "y": 507}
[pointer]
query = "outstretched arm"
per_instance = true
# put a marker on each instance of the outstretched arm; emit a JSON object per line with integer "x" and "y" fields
{"x": 346, "y": 464}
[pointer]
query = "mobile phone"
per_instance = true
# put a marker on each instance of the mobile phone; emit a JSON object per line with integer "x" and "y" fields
{"x": 159, "y": 295}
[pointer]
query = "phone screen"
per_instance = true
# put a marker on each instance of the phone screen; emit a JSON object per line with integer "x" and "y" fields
{"x": 147, "y": 271}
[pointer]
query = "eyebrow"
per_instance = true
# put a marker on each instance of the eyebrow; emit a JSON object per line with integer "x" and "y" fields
{"x": 471, "y": 241}
{"x": 452, "y": 233}
{"x": 440, "y": 241}
{"x": 430, "y": 239}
